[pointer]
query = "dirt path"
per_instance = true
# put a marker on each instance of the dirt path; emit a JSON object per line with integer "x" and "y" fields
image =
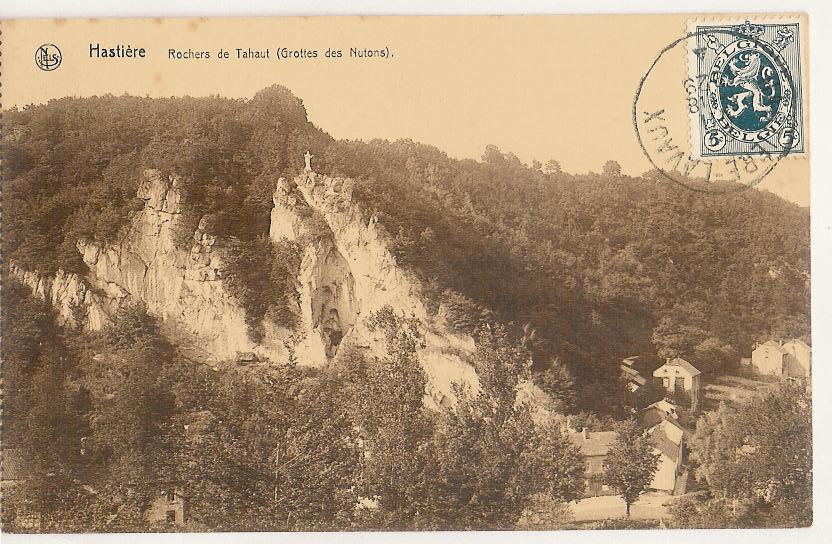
{"x": 649, "y": 506}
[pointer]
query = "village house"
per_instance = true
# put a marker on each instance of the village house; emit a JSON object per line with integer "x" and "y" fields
{"x": 657, "y": 412}
{"x": 668, "y": 442}
{"x": 631, "y": 375}
{"x": 800, "y": 352}
{"x": 678, "y": 376}
{"x": 594, "y": 448}
{"x": 170, "y": 508}
{"x": 790, "y": 360}
{"x": 768, "y": 358}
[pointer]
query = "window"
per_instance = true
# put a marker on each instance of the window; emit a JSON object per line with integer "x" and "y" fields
{"x": 170, "y": 516}
{"x": 666, "y": 382}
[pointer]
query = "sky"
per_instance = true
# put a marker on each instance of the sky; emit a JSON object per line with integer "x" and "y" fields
{"x": 541, "y": 87}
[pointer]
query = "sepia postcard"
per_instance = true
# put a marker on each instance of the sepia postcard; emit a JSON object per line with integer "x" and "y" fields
{"x": 406, "y": 273}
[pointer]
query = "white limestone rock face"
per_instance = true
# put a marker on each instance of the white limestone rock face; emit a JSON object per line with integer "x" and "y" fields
{"x": 286, "y": 221}
{"x": 176, "y": 284}
{"x": 71, "y": 296}
{"x": 346, "y": 274}
{"x": 349, "y": 273}
{"x": 144, "y": 264}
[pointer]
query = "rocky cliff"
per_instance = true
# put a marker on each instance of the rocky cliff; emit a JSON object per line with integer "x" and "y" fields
{"x": 347, "y": 273}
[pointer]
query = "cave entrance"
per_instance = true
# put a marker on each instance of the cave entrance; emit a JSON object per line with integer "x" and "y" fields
{"x": 334, "y": 304}
{"x": 333, "y": 334}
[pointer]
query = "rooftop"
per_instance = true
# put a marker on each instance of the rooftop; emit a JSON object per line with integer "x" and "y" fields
{"x": 663, "y": 405}
{"x": 667, "y": 438}
{"x": 629, "y": 361}
{"x": 595, "y": 444}
{"x": 633, "y": 375}
{"x": 678, "y": 361}
{"x": 776, "y": 345}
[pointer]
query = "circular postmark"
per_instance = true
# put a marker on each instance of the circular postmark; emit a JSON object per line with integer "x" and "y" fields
{"x": 734, "y": 116}
{"x": 48, "y": 57}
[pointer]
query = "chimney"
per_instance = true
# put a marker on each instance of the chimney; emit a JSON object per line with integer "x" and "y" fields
{"x": 585, "y": 433}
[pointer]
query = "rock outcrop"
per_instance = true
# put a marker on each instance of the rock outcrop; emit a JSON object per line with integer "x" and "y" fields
{"x": 347, "y": 273}
{"x": 75, "y": 301}
{"x": 144, "y": 264}
{"x": 185, "y": 286}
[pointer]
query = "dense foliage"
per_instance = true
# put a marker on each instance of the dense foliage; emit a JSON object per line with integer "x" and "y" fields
{"x": 558, "y": 276}
{"x": 756, "y": 459}
{"x": 600, "y": 265}
{"x": 103, "y": 423}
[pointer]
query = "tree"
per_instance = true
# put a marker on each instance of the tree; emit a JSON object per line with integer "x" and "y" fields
{"x": 681, "y": 329}
{"x": 552, "y": 167}
{"x": 491, "y": 457}
{"x": 561, "y": 464}
{"x": 611, "y": 168}
{"x": 265, "y": 452}
{"x": 558, "y": 383}
{"x": 493, "y": 155}
{"x": 482, "y": 444}
{"x": 630, "y": 464}
{"x": 398, "y": 466}
{"x": 757, "y": 457}
{"x": 713, "y": 355}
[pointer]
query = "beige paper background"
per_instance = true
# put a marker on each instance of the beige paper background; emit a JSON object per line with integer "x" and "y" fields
{"x": 542, "y": 87}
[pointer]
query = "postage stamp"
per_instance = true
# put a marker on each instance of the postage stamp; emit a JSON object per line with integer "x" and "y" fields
{"x": 750, "y": 87}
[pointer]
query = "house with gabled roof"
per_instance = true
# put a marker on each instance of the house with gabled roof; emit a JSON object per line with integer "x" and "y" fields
{"x": 678, "y": 376}
{"x": 768, "y": 358}
{"x": 657, "y": 412}
{"x": 669, "y": 443}
{"x": 790, "y": 360}
{"x": 594, "y": 449}
{"x": 799, "y": 358}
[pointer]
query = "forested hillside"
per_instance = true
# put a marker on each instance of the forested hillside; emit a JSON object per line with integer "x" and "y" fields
{"x": 598, "y": 266}
{"x": 556, "y": 276}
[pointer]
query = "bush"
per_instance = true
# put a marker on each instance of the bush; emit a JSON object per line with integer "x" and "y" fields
{"x": 261, "y": 276}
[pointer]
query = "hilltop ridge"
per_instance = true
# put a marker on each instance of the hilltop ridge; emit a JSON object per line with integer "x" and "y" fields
{"x": 596, "y": 266}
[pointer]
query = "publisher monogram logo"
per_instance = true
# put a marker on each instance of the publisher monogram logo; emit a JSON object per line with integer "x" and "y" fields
{"x": 48, "y": 57}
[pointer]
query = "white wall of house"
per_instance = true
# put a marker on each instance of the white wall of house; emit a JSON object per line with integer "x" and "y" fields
{"x": 669, "y": 373}
{"x": 665, "y": 477}
{"x": 767, "y": 359}
{"x": 799, "y": 358}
